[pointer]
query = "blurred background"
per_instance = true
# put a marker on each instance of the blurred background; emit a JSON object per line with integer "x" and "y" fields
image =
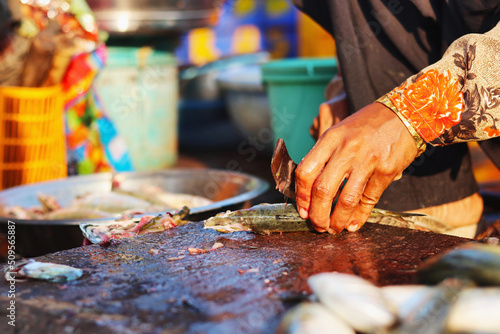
{"x": 99, "y": 87}
{"x": 148, "y": 85}
{"x": 184, "y": 97}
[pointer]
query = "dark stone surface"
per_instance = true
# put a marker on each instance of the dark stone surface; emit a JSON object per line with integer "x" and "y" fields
{"x": 125, "y": 289}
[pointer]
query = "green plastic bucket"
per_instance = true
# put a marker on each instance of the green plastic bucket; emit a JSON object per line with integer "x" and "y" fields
{"x": 139, "y": 91}
{"x": 296, "y": 88}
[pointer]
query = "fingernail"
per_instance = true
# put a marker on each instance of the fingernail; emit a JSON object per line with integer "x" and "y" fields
{"x": 320, "y": 229}
{"x": 353, "y": 227}
{"x": 332, "y": 231}
{"x": 303, "y": 213}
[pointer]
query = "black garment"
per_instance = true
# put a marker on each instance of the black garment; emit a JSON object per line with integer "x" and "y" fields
{"x": 380, "y": 43}
{"x": 6, "y": 24}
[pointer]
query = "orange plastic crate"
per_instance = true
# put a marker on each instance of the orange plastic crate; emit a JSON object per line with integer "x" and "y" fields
{"x": 32, "y": 136}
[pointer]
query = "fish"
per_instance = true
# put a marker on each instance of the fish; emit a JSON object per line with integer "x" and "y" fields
{"x": 167, "y": 200}
{"x": 477, "y": 262}
{"x": 406, "y": 298}
{"x": 312, "y": 318}
{"x": 474, "y": 311}
{"x": 355, "y": 300}
{"x": 411, "y": 220}
{"x": 283, "y": 217}
{"x": 73, "y": 213}
{"x": 430, "y": 314}
{"x": 49, "y": 203}
{"x": 357, "y": 303}
{"x": 18, "y": 212}
{"x": 261, "y": 219}
{"x": 112, "y": 202}
{"x": 454, "y": 271}
{"x": 102, "y": 232}
{"x": 47, "y": 271}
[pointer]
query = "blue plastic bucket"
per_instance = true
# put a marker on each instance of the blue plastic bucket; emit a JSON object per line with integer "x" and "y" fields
{"x": 296, "y": 88}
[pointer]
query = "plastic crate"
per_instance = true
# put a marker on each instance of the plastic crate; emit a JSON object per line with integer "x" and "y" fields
{"x": 32, "y": 136}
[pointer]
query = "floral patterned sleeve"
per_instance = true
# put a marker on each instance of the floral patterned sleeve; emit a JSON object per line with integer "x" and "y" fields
{"x": 456, "y": 99}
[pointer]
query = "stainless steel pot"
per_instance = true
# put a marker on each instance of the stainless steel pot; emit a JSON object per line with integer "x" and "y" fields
{"x": 152, "y": 16}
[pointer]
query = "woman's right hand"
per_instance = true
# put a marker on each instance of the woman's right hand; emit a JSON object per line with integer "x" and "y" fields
{"x": 370, "y": 149}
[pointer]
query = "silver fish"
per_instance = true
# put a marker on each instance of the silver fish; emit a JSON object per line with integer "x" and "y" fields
{"x": 51, "y": 272}
{"x": 112, "y": 202}
{"x": 312, "y": 318}
{"x": 283, "y": 217}
{"x": 406, "y": 298}
{"x": 475, "y": 310}
{"x": 167, "y": 200}
{"x": 478, "y": 262}
{"x": 75, "y": 213}
{"x": 355, "y": 300}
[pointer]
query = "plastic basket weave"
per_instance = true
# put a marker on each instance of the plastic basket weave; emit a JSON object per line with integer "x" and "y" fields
{"x": 32, "y": 136}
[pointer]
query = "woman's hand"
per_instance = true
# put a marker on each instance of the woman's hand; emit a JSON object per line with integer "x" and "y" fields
{"x": 370, "y": 149}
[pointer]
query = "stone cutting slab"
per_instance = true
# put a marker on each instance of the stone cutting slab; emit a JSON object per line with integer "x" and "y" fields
{"x": 152, "y": 284}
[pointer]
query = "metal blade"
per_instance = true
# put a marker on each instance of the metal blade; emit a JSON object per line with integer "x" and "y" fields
{"x": 283, "y": 169}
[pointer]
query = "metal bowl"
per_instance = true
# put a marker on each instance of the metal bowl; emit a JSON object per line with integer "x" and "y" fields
{"x": 247, "y": 101}
{"x": 152, "y": 16}
{"x": 227, "y": 190}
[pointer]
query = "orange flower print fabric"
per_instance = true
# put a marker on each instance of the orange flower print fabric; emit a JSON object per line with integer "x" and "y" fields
{"x": 456, "y": 99}
{"x": 432, "y": 102}
{"x": 492, "y": 132}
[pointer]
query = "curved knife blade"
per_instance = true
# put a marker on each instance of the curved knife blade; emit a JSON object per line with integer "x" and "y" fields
{"x": 283, "y": 169}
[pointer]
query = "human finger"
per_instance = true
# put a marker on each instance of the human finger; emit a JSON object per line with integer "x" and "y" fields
{"x": 370, "y": 197}
{"x": 308, "y": 170}
{"x": 323, "y": 193}
{"x": 349, "y": 198}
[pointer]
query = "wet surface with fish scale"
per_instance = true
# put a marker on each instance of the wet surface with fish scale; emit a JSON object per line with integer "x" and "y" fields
{"x": 125, "y": 288}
